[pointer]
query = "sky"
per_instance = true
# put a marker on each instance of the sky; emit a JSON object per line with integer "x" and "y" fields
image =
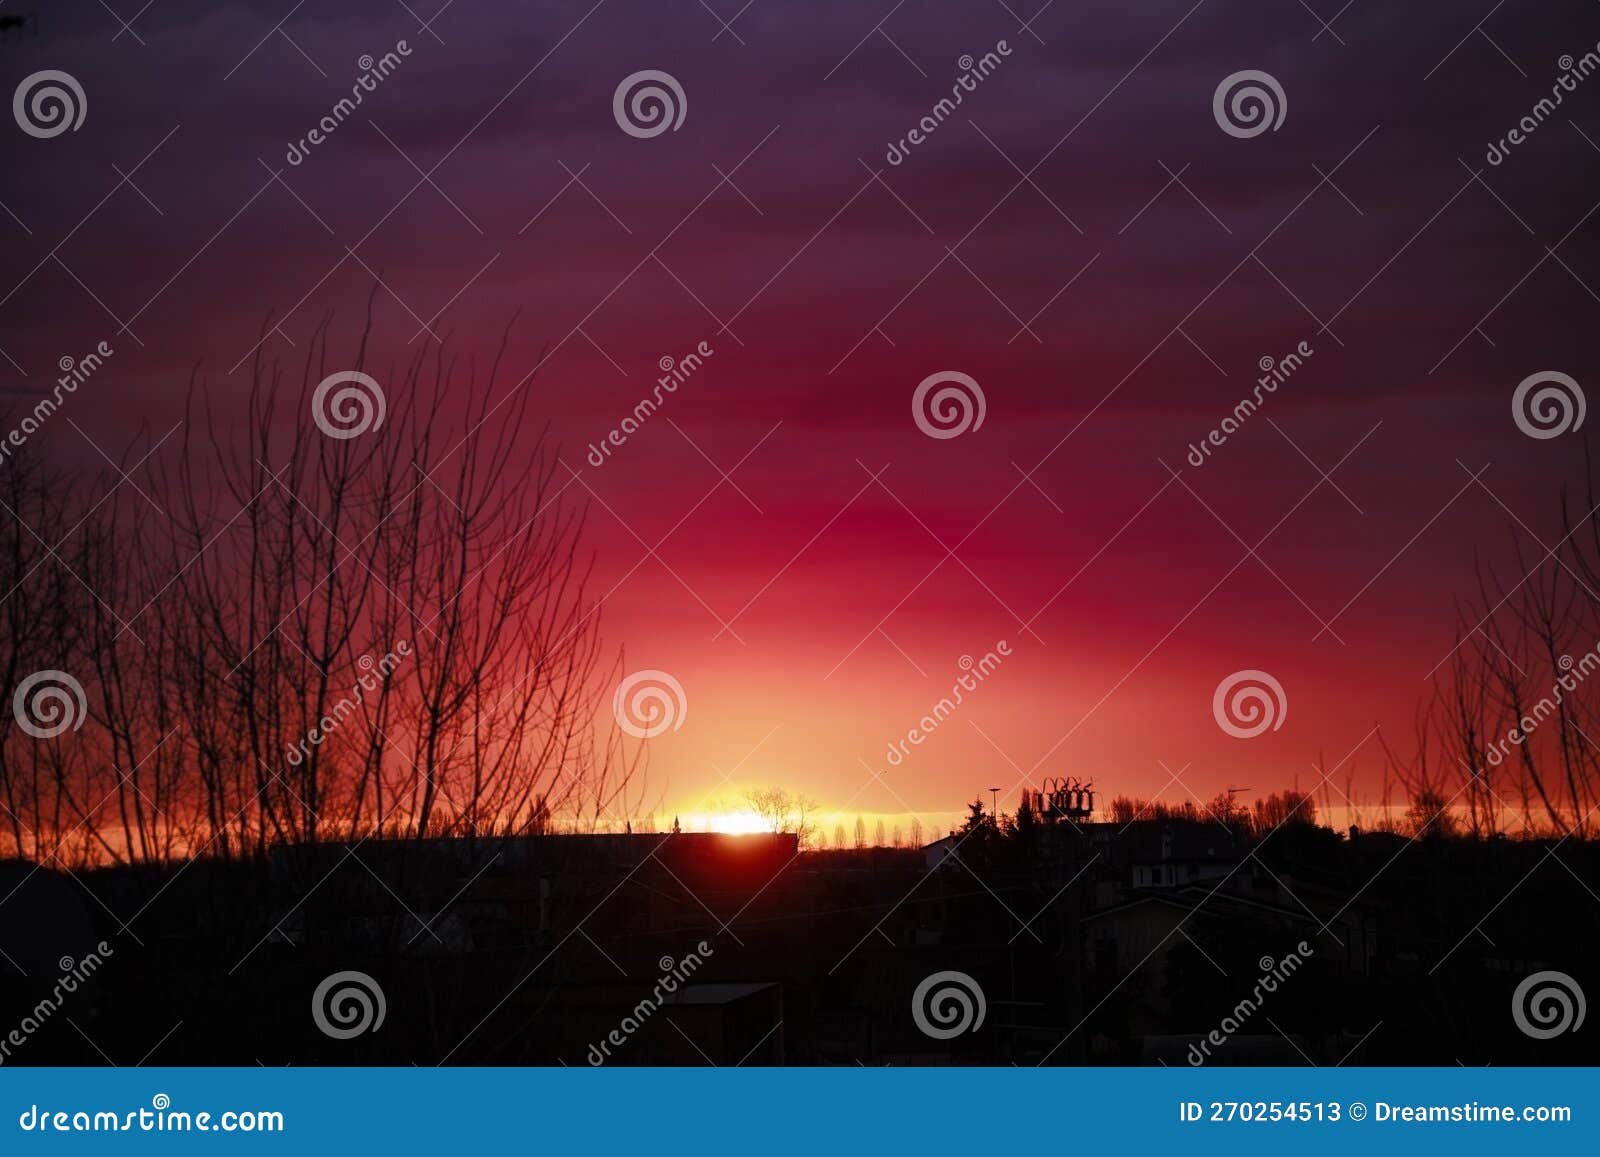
{"x": 1081, "y": 238}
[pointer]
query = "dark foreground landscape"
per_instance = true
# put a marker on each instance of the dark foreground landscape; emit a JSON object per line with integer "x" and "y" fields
{"x": 1083, "y": 942}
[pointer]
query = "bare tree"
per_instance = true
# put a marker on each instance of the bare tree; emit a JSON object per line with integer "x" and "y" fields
{"x": 1509, "y": 736}
{"x": 43, "y": 781}
{"x": 784, "y": 812}
{"x": 298, "y": 632}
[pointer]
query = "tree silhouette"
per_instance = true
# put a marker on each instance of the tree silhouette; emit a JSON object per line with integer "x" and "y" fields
{"x": 785, "y": 812}
{"x": 325, "y": 638}
{"x": 1429, "y": 816}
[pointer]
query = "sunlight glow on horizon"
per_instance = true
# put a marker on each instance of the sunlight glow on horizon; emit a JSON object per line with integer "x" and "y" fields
{"x": 732, "y": 823}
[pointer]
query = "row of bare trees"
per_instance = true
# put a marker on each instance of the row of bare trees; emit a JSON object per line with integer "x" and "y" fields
{"x": 1509, "y": 740}
{"x": 287, "y": 636}
{"x": 1258, "y": 818}
{"x": 881, "y": 837}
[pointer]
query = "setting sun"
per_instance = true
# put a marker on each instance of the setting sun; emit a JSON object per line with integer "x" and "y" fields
{"x": 735, "y": 823}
